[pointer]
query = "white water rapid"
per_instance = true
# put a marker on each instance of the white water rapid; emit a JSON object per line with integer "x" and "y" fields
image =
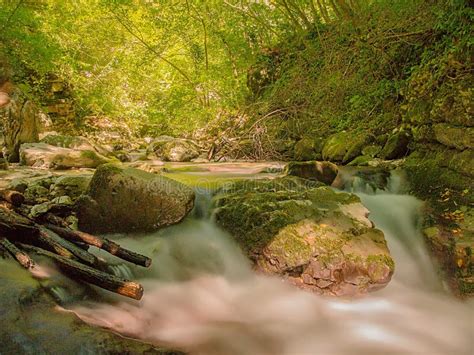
{"x": 202, "y": 297}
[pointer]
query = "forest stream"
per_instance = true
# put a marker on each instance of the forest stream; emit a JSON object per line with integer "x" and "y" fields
{"x": 202, "y": 296}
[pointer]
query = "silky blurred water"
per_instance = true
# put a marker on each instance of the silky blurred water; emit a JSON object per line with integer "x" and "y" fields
{"x": 201, "y": 296}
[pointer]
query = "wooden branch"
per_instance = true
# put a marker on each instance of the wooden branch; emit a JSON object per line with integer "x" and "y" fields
{"x": 13, "y": 224}
{"x": 55, "y": 243}
{"x": 22, "y": 258}
{"x": 14, "y": 197}
{"x": 102, "y": 243}
{"x": 90, "y": 275}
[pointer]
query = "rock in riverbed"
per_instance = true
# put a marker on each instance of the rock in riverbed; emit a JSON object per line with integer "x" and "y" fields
{"x": 122, "y": 199}
{"x": 42, "y": 155}
{"x": 318, "y": 238}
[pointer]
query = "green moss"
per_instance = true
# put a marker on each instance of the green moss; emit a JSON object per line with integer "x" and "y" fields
{"x": 381, "y": 259}
{"x": 255, "y": 212}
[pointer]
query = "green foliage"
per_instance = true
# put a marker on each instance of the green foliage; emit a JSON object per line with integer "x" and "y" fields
{"x": 308, "y": 67}
{"x": 372, "y": 71}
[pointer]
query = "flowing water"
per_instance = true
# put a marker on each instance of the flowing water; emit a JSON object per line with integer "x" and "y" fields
{"x": 201, "y": 296}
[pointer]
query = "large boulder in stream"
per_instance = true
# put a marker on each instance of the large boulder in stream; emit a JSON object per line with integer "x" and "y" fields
{"x": 315, "y": 237}
{"x": 120, "y": 199}
{"x": 42, "y": 155}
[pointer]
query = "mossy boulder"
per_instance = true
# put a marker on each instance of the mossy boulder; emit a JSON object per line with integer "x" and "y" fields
{"x": 345, "y": 146}
{"x": 454, "y": 137}
{"x": 317, "y": 238}
{"x": 371, "y": 150}
{"x": 70, "y": 185}
{"x": 43, "y": 155}
{"x": 363, "y": 160}
{"x": 429, "y": 172}
{"x": 322, "y": 171}
{"x": 174, "y": 149}
{"x": 396, "y": 146}
{"x": 308, "y": 148}
{"x": 179, "y": 151}
{"x": 120, "y": 199}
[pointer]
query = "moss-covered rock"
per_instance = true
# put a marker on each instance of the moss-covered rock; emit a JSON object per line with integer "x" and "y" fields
{"x": 308, "y": 148}
{"x": 122, "y": 199}
{"x": 345, "y": 146}
{"x": 396, "y": 146}
{"x": 72, "y": 186}
{"x": 318, "y": 238}
{"x": 174, "y": 149}
{"x": 454, "y": 137}
{"x": 322, "y": 171}
{"x": 371, "y": 150}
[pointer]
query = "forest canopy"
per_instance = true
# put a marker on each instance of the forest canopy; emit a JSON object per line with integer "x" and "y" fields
{"x": 172, "y": 66}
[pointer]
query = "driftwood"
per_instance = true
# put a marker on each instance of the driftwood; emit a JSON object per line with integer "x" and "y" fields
{"x": 101, "y": 243}
{"x": 22, "y": 258}
{"x": 55, "y": 243}
{"x": 14, "y": 197}
{"x": 89, "y": 274}
{"x": 67, "y": 247}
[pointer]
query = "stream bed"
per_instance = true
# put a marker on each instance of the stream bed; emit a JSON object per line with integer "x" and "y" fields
{"x": 201, "y": 295}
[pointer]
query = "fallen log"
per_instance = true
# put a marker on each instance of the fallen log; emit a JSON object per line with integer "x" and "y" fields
{"x": 90, "y": 275}
{"x": 101, "y": 243}
{"x": 14, "y": 197}
{"x": 22, "y": 258}
{"x": 51, "y": 241}
{"x": 13, "y": 224}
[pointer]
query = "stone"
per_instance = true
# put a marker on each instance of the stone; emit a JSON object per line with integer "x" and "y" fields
{"x": 363, "y": 160}
{"x": 51, "y": 157}
{"x": 308, "y": 149}
{"x": 174, "y": 149}
{"x": 317, "y": 238}
{"x": 179, "y": 151}
{"x": 19, "y": 185}
{"x": 45, "y": 207}
{"x": 454, "y": 137}
{"x": 74, "y": 142}
{"x": 35, "y": 193}
{"x": 396, "y": 146}
{"x": 322, "y": 171}
{"x": 345, "y": 146}
{"x": 21, "y": 125}
{"x": 371, "y": 150}
{"x": 70, "y": 185}
{"x": 121, "y": 199}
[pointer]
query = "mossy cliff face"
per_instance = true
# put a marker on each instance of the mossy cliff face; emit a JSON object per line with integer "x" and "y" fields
{"x": 122, "y": 199}
{"x": 317, "y": 238}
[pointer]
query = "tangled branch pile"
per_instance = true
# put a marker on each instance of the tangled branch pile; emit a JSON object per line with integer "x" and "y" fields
{"x": 48, "y": 235}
